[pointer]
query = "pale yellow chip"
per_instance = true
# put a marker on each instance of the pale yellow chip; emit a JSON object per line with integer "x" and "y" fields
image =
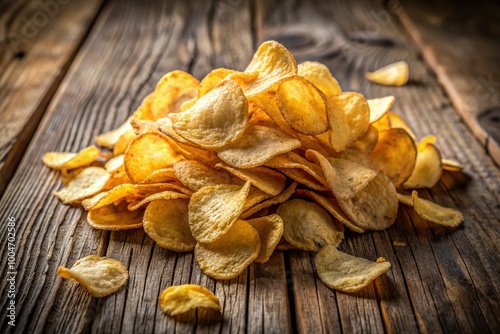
{"x": 115, "y": 217}
{"x": 274, "y": 63}
{"x": 110, "y": 138}
{"x": 307, "y": 225}
{"x": 303, "y": 106}
{"x": 213, "y": 209}
{"x": 270, "y": 229}
{"x": 405, "y": 199}
{"x": 339, "y": 133}
{"x": 162, "y": 175}
{"x": 196, "y": 175}
{"x": 269, "y": 181}
{"x": 395, "y": 74}
{"x": 375, "y": 207}
{"x": 216, "y": 120}
{"x": 344, "y": 272}
{"x": 302, "y": 177}
{"x": 258, "y": 145}
{"x": 179, "y": 299}
{"x": 380, "y": 106}
{"x": 67, "y": 160}
{"x": 357, "y": 113}
{"x": 436, "y": 213}
{"x": 167, "y": 223}
{"x": 320, "y": 76}
{"x": 229, "y": 255}
{"x": 100, "y": 276}
{"x": 282, "y": 197}
{"x": 115, "y": 164}
{"x": 452, "y": 165}
{"x": 87, "y": 183}
{"x": 427, "y": 171}
{"x": 212, "y": 79}
{"x": 124, "y": 141}
{"x": 294, "y": 160}
{"x": 142, "y": 126}
{"x": 164, "y": 195}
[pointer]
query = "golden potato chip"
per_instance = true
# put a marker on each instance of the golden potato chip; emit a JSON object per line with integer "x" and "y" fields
{"x": 115, "y": 217}
{"x": 216, "y": 119}
{"x": 395, "y": 155}
{"x": 307, "y": 225}
{"x": 171, "y": 91}
{"x": 302, "y": 106}
{"x": 395, "y": 74}
{"x": 368, "y": 141}
{"x": 229, "y": 255}
{"x": 263, "y": 178}
{"x": 110, "y": 138}
{"x": 452, "y": 165}
{"x": 196, "y": 175}
{"x": 300, "y": 176}
{"x": 87, "y": 183}
{"x": 344, "y": 272}
{"x": 161, "y": 176}
{"x": 213, "y": 209}
{"x": 427, "y": 170}
{"x": 144, "y": 112}
{"x": 179, "y": 299}
{"x": 436, "y": 213}
{"x": 379, "y": 107}
{"x": 294, "y": 160}
{"x": 405, "y": 199}
{"x": 357, "y": 113}
{"x": 258, "y": 145}
{"x": 255, "y": 196}
{"x": 375, "y": 207}
{"x": 115, "y": 164}
{"x": 165, "y": 126}
{"x": 167, "y": 223}
{"x": 147, "y": 153}
{"x": 397, "y": 121}
{"x": 67, "y": 160}
{"x": 339, "y": 135}
{"x": 100, "y": 276}
{"x": 142, "y": 126}
{"x": 320, "y": 76}
{"x": 164, "y": 195}
{"x": 270, "y": 229}
{"x": 274, "y": 63}
{"x": 282, "y": 197}
{"x": 212, "y": 79}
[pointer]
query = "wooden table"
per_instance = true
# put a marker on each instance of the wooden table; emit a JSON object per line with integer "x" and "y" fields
{"x": 71, "y": 71}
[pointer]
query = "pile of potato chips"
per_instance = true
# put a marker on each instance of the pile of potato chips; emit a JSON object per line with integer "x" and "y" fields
{"x": 239, "y": 164}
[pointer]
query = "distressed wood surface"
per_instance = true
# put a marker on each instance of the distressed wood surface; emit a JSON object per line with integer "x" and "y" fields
{"x": 38, "y": 41}
{"x": 444, "y": 280}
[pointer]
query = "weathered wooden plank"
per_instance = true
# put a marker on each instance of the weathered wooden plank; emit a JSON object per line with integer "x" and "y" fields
{"x": 39, "y": 41}
{"x": 460, "y": 43}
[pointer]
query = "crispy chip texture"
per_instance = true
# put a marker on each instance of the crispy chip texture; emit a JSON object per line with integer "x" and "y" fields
{"x": 115, "y": 217}
{"x": 196, "y": 175}
{"x": 100, "y": 276}
{"x": 67, "y": 160}
{"x": 270, "y": 229}
{"x": 344, "y": 272}
{"x": 428, "y": 169}
{"x": 87, "y": 183}
{"x": 320, "y": 76}
{"x": 395, "y": 74}
{"x": 357, "y": 112}
{"x": 179, "y": 299}
{"x": 265, "y": 179}
{"x": 436, "y": 213}
{"x": 379, "y": 107}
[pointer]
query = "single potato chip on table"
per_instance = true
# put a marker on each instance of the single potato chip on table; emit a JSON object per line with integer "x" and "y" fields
{"x": 179, "y": 299}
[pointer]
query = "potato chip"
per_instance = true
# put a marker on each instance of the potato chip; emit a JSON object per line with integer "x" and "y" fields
{"x": 320, "y": 76}
{"x": 274, "y": 63}
{"x": 115, "y": 164}
{"x": 357, "y": 113}
{"x": 307, "y": 225}
{"x": 212, "y": 79}
{"x": 375, "y": 207}
{"x": 179, "y": 299}
{"x": 110, "y": 138}
{"x": 67, "y": 160}
{"x": 165, "y": 126}
{"x": 397, "y": 121}
{"x": 379, "y": 107}
{"x": 147, "y": 153}
{"x": 163, "y": 175}
{"x": 123, "y": 142}
{"x": 166, "y": 195}
{"x": 229, "y": 255}
{"x": 167, "y": 223}
{"x": 300, "y": 176}
{"x": 368, "y": 141}
{"x": 427, "y": 170}
{"x": 405, "y": 199}
{"x": 216, "y": 119}
{"x": 451, "y": 165}
{"x": 436, "y": 213}
{"x": 258, "y": 145}
{"x": 213, "y": 209}
{"x": 255, "y": 196}
{"x": 87, "y": 183}
{"x": 282, "y": 197}
{"x": 344, "y": 272}
{"x": 115, "y": 217}
{"x": 100, "y": 276}
{"x": 142, "y": 126}
{"x": 263, "y": 178}
{"x": 395, "y": 155}
{"x": 395, "y": 74}
{"x": 294, "y": 160}
{"x": 339, "y": 135}
{"x": 196, "y": 175}
{"x": 270, "y": 229}
{"x": 302, "y": 106}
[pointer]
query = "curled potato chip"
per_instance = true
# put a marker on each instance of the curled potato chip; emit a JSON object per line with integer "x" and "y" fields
{"x": 344, "y": 272}
{"x": 123, "y": 142}
{"x": 307, "y": 225}
{"x": 147, "y": 153}
{"x": 229, "y": 255}
{"x": 282, "y": 197}
{"x": 100, "y": 276}
{"x": 300, "y": 176}
{"x": 436, "y": 213}
{"x": 395, "y": 74}
{"x": 397, "y": 121}
{"x": 87, "y": 183}
{"x": 302, "y": 105}
{"x": 216, "y": 119}
{"x": 320, "y": 76}
{"x": 428, "y": 169}
{"x": 270, "y": 229}
{"x": 339, "y": 135}
{"x": 115, "y": 217}
{"x": 368, "y": 141}
{"x": 67, "y": 160}
{"x": 379, "y": 107}
{"x": 109, "y": 139}
{"x": 452, "y": 165}
{"x": 212, "y": 79}
{"x": 258, "y": 145}
{"x": 294, "y": 160}
{"x": 162, "y": 175}
{"x": 357, "y": 113}
{"x": 265, "y": 179}
{"x": 179, "y": 299}
{"x": 167, "y": 223}
{"x": 213, "y": 209}
{"x": 196, "y": 175}
{"x": 167, "y": 195}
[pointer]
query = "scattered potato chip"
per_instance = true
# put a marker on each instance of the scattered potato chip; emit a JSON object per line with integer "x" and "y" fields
{"x": 230, "y": 254}
{"x": 344, "y": 272}
{"x": 427, "y": 170}
{"x": 307, "y": 225}
{"x": 320, "y": 76}
{"x": 67, "y": 160}
{"x": 436, "y": 213}
{"x": 196, "y": 175}
{"x": 179, "y": 299}
{"x": 265, "y": 179}
{"x": 380, "y": 106}
{"x": 270, "y": 229}
{"x": 110, "y": 138}
{"x": 115, "y": 217}
{"x": 87, "y": 183}
{"x": 100, "y": 276}
{"x": 395, "y": 74}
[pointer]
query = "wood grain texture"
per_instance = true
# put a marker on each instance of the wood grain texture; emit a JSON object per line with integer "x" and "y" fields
{"x": 38, "y": 41}
{"x": 460, "y": 43}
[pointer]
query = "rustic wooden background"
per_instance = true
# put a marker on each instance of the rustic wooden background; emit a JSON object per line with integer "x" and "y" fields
{"x": 72, "y": 69}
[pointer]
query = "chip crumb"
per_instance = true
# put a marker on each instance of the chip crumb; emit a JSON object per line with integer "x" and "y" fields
{"x": 381, "y": 259}
{"x": 399, "y": 243}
